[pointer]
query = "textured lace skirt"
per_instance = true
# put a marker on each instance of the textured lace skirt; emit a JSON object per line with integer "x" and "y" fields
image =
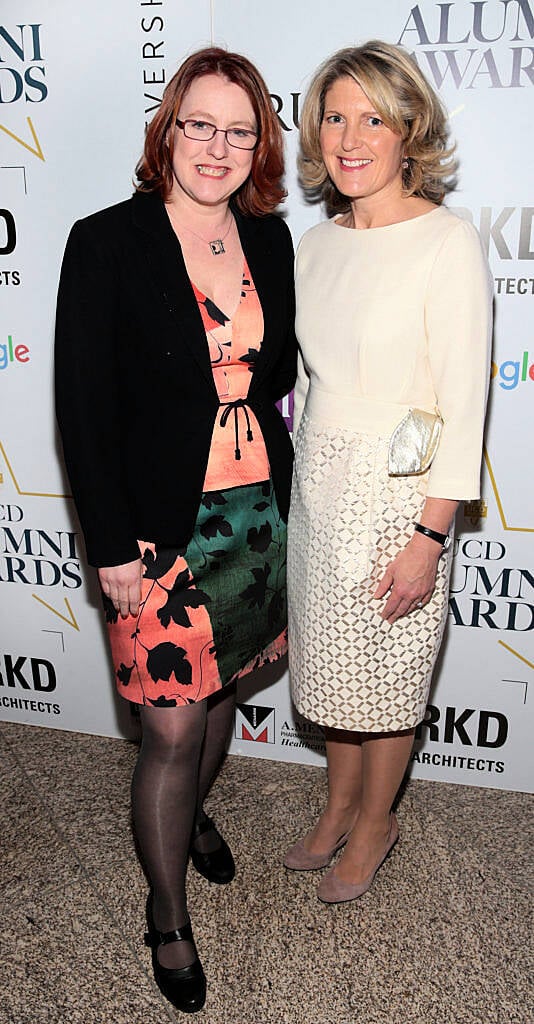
{"x": 349, "y": 668}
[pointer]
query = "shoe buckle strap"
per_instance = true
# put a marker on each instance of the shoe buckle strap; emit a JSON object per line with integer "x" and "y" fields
{"x": 183, "y": 934}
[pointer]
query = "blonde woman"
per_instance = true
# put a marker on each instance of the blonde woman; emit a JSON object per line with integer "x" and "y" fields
{"x": 393, "y": 314}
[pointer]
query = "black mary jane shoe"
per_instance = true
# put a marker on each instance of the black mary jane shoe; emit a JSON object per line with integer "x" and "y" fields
{"x": 218, "y": 865}
{"x": 184, "y": 987}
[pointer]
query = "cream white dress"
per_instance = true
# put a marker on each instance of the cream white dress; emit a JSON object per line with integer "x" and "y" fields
{"x": 388, "y": 319}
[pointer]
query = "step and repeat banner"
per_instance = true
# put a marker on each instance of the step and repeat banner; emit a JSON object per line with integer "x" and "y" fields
{"x": 78, "y": 83}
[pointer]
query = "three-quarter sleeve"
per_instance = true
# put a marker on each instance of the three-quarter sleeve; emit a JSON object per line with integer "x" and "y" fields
{"x": 458, "y": 323}
{"x": 303, "y": 380}
{"x": 299, "y": 395}
{"x": 285, "y": 371}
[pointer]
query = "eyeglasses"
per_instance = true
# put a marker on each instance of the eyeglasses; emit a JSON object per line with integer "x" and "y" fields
{"x": 203, "y": 131}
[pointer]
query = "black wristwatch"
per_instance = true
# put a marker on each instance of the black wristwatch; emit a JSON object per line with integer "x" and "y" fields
{"x": 440, "y": 538}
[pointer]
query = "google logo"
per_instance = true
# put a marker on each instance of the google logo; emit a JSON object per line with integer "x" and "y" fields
{"x": 13, "y": 353}
{"x": 512, "y": 372}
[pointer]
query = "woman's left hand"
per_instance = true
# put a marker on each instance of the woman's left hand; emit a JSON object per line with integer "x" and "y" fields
{"x": 410, "y": 578}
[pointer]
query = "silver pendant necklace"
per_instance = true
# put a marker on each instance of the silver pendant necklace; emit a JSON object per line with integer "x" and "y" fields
{"x": 217, "y": 244}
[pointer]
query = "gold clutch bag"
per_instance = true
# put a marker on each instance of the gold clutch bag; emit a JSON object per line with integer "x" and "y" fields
{"x": 414, "y": 443}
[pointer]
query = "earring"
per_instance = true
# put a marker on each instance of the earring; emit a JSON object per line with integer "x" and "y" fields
{"x": 405, "y": 164}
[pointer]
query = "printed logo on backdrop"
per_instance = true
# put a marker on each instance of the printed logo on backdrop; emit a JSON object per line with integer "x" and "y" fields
{"x": 465, "y": 45}
{"x": 507, "y": 235}
{"x": 22, "y": 83}
{"x": 8, "y": 244}
{"x": 486, "y": 593}
{"x": 22, "y": 65}
{"x": 153, "y": 76}
{"x": 12, "y": 354}
{"x": 512, "y": 373}
{"x": 475, "y": 510}
{"x": 41, "y": 561}
{"x": 42, "y": 564}
{"x": 34, "y": 557}
{"x": 474, "y": 740}
{"x": 287, "y": 109}
{"x": 302, "y": 733}
{"x": 255, "y": 723}
{"x": 478, "y": 45}
{"x": 8, "y": 233}
{"x": 26, "y": 684}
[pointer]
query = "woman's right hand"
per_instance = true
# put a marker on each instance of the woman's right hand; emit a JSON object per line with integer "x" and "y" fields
{"x": 122, "y": 584}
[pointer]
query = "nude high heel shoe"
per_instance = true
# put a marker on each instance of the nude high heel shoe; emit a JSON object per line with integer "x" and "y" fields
{"x": 298, "y": 858}
{"x": 333, "y": 890}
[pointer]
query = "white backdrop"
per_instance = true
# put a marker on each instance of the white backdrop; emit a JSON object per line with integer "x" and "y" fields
{"x": 77, "y": 84}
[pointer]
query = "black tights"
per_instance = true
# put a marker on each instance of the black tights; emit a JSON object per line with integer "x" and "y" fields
{"x": 181, "y": 750}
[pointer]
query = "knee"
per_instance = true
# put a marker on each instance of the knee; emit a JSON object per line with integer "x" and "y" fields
{"x": 170, "y": 734}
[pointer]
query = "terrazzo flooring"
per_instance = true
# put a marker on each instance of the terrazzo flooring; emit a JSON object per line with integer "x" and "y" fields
{"x": 444, "y": 935}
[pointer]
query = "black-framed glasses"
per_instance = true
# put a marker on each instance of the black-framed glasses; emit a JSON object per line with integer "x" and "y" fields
{"x": 203, "y": 131}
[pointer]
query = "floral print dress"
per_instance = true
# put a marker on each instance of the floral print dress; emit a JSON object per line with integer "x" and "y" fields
{"x": 215, "y": 610}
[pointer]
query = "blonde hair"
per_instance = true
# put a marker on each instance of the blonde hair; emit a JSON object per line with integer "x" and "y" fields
{"x": 406, "y": 103}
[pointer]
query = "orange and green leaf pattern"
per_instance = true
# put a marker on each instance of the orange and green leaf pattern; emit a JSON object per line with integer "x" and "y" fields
{"x": 216, "y": 610}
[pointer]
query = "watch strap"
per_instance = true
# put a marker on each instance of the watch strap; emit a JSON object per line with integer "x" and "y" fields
{"x": 440, "y": 538}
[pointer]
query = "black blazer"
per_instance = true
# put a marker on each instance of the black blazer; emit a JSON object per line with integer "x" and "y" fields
{"x": 136, "y": 400}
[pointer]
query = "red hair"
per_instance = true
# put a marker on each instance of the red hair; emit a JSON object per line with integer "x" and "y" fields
{"x": 263, "y": 190}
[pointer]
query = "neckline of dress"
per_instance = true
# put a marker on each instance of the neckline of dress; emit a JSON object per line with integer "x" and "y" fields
{"x": 198, "y": 292}
{"x": 384, "y": 227}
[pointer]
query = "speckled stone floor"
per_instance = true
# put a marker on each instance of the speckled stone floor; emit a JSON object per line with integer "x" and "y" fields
{"x": 443, "y": 936}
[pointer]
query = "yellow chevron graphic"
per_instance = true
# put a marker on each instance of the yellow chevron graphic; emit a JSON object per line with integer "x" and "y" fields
{"x": 520, "y": 656}
{"x": 37, "y": 151}
{"x": 71, "y": 621}
{"x": 505, "y": 525}
{"x": 18, "y": 488}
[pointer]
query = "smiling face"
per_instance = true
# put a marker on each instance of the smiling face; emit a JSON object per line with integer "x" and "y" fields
{"x": 208, "y": 173}
{"x": 361, "y": 154}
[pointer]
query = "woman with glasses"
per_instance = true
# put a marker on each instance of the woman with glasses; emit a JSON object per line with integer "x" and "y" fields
{"x": 174, "y": 342}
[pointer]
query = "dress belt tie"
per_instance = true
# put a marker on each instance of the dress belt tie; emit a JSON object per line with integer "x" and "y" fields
{"x": 228, "y": 407}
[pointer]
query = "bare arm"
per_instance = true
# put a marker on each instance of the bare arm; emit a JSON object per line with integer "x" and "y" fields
{"x": 410, "y": 578}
